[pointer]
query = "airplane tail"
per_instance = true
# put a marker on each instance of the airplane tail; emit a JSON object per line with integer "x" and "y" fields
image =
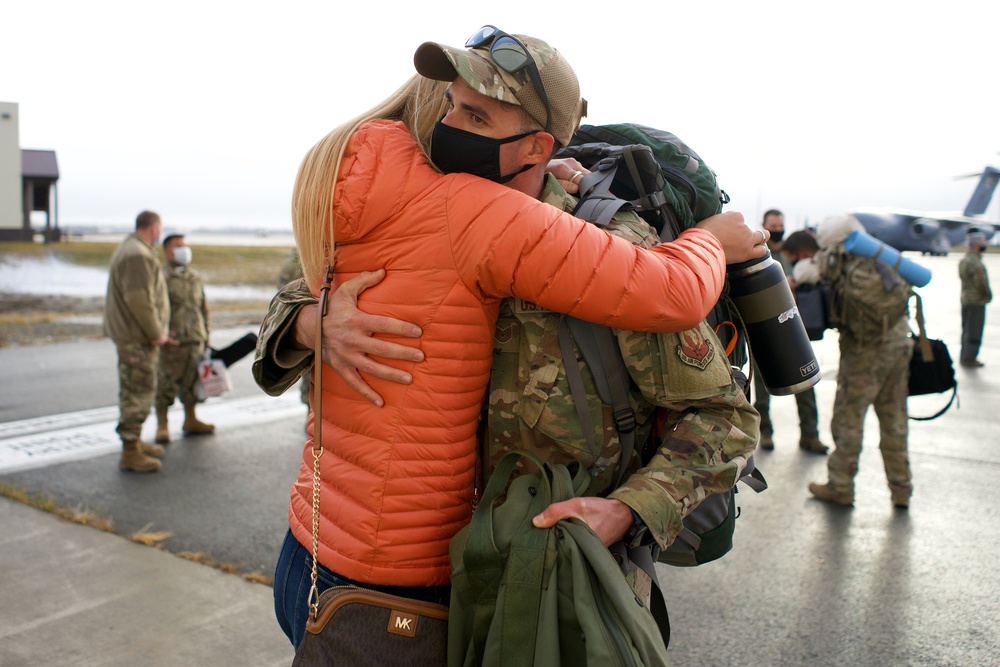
{"x": 983, "y": 193}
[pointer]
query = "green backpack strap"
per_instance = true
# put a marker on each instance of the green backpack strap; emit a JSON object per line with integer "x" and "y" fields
{"x": 525, "y": 562}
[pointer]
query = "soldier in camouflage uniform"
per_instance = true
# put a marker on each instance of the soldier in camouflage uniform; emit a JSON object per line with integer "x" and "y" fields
{"x": 136, "y": 317}
{"x": 976, "y": 294}
{"x": 714, "y": 430}
{"x": 189, "y": 326}
{"x": 874, "y": 371}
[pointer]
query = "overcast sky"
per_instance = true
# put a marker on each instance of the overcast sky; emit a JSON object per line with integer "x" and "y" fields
{"x": 202, "y": 110}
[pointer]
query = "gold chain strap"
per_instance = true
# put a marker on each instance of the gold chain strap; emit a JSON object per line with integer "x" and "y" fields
{"x": 324, "y": 303}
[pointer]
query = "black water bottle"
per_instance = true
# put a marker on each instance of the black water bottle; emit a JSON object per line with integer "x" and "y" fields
{"x": 777, "y": 337}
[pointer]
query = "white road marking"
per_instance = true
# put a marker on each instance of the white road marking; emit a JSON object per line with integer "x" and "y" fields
{"x": 73, "y": 436}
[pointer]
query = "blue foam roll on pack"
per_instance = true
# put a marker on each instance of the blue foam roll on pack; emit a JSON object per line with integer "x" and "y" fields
{"x": 864, "y": 245}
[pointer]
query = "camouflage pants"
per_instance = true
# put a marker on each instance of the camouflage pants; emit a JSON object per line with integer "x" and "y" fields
{"x": 805, "y": 401}
{"x": 137, "y": 365}
{"x": 178, "y": 374}
{"x": 877, "y": 376}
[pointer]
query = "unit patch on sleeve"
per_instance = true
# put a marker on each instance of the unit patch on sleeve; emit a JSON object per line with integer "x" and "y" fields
{"x": 694, "y": 349}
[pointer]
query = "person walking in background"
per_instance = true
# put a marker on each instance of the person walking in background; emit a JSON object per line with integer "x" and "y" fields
{"x": 774, "y": 223}
{"x": 875, "y": 351}
{"x": 136, "y": 318}
{"x": 975, "y": 295}
{"x": 189, "y": 326}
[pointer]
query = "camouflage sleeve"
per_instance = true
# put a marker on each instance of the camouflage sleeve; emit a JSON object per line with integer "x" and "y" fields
{"x": 975, "y": 280}
{"x": 710, "y": 429}
{"x": 277, "y": 364}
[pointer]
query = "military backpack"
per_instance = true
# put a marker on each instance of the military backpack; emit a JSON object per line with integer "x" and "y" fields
{"x": 659, "y": 177}
{"x": 656, "y": 175}
{"x": 867, "y": 297}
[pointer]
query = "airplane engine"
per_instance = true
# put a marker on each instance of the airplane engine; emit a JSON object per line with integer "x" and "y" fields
{"x": 925, "y": 228}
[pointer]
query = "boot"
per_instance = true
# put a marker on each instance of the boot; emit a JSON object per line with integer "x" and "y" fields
{"x": 900, "y": 496}
{"x": 192, "y": 426}
{"x": 813, "y": 445}
{"x": 162, "y": 432}
{"x": 766, "y": 441}
{"x": 134, "y": 460}
{"x": 149, "y": 449}
{"x": 828, "y": 494}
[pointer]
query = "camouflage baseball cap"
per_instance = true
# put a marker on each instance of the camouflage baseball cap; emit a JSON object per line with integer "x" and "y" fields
{"x": 477, "y": 68}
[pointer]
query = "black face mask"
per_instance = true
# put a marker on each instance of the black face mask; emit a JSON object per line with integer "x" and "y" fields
{"x": 457, "y": 151}
{"x": 777, "y": 236}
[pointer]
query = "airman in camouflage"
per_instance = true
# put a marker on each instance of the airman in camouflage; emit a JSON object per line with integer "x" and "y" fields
{"x": 136, "y": 315}
{"x": 713, "y": 428}
{"x": 976, "y": 294}
{"x": 189, "y": 326}
{"x": 874, "y": 371}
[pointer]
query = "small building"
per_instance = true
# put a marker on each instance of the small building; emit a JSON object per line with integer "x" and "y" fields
{"x": 28, "y": 181}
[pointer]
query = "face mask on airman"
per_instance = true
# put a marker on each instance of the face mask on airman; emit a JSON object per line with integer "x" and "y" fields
{"x": 182, "y": 255}
{"x": 457, "y": 151}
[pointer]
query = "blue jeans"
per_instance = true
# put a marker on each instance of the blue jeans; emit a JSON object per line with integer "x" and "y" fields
{"x": 292, "y": 581}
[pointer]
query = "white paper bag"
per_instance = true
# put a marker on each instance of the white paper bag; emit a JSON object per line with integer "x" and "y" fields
{"x": 213, "y": 379}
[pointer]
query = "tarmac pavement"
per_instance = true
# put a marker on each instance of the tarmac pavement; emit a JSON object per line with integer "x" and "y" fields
{"x": 806, "y": 584}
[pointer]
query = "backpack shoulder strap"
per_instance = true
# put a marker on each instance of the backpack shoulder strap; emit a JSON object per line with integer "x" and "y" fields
{"x": 597, "y": 204}
{"x": 600, "y": 350}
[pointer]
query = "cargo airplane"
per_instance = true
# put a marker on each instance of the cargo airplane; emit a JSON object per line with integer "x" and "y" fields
{"x": 933, "y": 233}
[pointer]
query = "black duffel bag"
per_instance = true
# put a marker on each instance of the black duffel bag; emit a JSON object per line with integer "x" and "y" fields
{"x": 931, "y": 372}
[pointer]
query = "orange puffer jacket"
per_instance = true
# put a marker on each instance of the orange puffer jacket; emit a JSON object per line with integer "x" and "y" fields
{"x": 397, "y": 481}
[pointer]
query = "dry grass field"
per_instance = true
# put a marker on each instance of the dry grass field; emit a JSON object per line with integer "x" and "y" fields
{"x": 27, "y": 319}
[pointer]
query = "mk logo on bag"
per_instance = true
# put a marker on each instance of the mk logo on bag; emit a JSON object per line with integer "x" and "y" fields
{"x": 401, "y": 623}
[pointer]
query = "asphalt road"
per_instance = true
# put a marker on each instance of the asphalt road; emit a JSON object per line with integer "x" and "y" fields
{"x": 807, "y": 583}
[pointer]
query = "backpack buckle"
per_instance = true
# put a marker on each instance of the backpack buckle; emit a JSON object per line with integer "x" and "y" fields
{"x": 625, "y": 420}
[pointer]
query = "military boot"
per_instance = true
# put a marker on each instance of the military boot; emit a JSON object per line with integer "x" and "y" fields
{"x": 900, "y": 496}
{"x": 134, "y": 460}
{"x": 162, "y": 432}
{"x": 193, "y": 426}
{"x": 149, "y": 449}
{"x": 812, "y": 444}
{"x": 828, "y": 494}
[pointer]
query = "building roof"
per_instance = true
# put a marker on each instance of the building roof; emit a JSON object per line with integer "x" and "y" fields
{"x": 39, "y": 164}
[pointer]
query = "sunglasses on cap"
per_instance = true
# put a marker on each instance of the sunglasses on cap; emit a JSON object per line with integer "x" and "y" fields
{"x": 511, "y": 55}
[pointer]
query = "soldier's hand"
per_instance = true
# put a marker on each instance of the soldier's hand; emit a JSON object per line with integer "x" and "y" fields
{"x": 568, "y": 171}
{"x": 349, "y": 336}
{"x": 739, "y": 242}
{"x": 609, "y": 519}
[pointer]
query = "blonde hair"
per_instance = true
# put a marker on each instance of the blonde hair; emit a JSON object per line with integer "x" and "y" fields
{"x": 419, "y": 104}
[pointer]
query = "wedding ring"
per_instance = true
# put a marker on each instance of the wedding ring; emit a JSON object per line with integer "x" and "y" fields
{"x": 576, "y": 175}
{"x": 762, "y": 238}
